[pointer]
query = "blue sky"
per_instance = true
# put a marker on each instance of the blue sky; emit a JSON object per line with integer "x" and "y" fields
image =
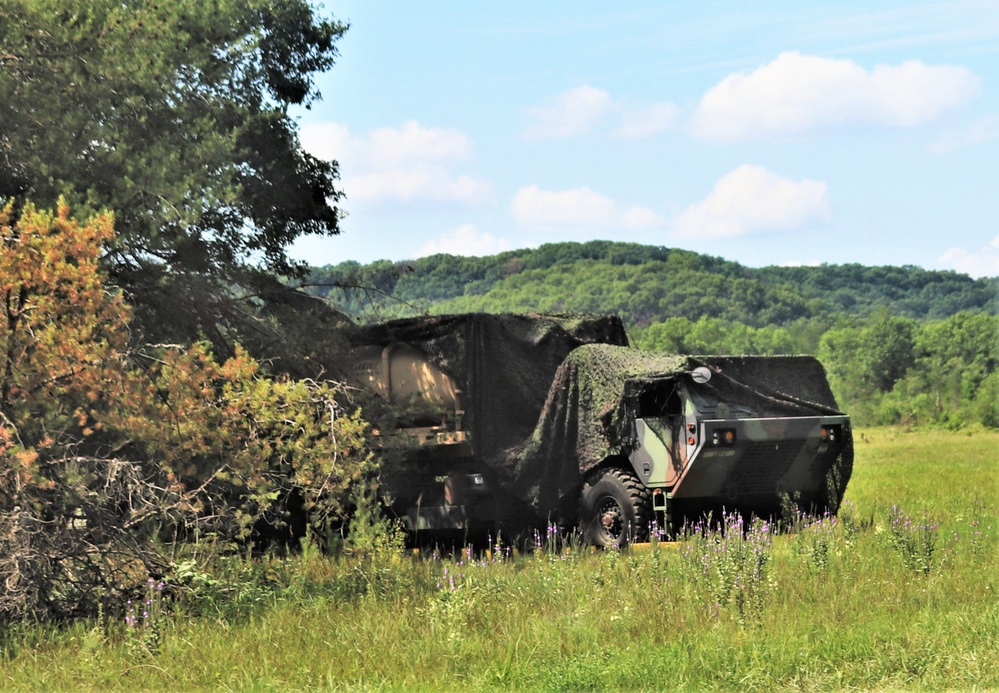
{"x": 774, "y": 133}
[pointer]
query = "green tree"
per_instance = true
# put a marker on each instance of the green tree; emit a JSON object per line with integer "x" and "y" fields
{"x": 953, "y": 375}
{"x": 175, "y": 116}
{"x": 887, "y": 349}
{"x": 839, "y": 351}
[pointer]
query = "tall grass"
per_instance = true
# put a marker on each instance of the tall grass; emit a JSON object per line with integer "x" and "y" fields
{"x": 899, "y": 591}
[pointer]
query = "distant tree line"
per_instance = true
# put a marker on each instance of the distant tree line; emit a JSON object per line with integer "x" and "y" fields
{"x": 884, "y": 370}
{"x": 647, "y": 284}
{"x": 902, "y": 345}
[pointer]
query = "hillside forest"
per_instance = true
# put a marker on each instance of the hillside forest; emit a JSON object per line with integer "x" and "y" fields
{"x": 901, "y": 345}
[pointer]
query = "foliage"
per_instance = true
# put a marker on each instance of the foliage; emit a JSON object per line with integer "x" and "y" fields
{"x": 914, "y": 539}
{"x": 896, "y": 371}
{"x": 713, "y": 335}
{"x": 106, "y": 449}
{"x": 175, "y": 117}
{"x": 731, "y": 563}
{"x": 649, "y": 284}
{"x": 144, "y": 620}
{"x": 907, "y": 291}
{"x": 370, "y": 531}
{"x": 233, "y": 434}
{"x": 880, "y": 353}
{"x": 679, "y": 285}
{"x": 901, "y": 345}
{"x": 815, "y": 537}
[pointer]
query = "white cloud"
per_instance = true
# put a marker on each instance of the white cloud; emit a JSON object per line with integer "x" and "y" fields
{"x": 426, "y": 183}
{"x": 408, "y": 164}
{"x": 583, "y": 109}
{"x": 798, "y": 93}
{"x": 577, "y": 208}
{"x": 330, "y": 141}
{"x": 571, "y": 113}
{"x": 534, "y": 207}
{"x": 635, "y": 217}
{"x": 386, "y": 147}
{"x": 413, "y": 144}
{"x": 984, "y": 130}
{"x": 464, "y": 240}
{"x": 647, "y": 121}
{"x": 983, "y": 262}
{"x": 751, "y": 199}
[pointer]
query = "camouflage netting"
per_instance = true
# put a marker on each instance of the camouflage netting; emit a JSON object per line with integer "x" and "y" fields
{"x": 583, "y": 422}
{"x": 548, "y": 398}
{"x": 588, "y": 415}
{"x": 503, "y": 364}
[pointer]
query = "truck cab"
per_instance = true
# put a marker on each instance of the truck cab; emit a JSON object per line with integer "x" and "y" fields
{"x": 698, "y": 451}
{"x": 700, "y": 436}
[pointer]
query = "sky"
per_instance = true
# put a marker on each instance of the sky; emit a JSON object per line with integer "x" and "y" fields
{"x": 770, "y": 133}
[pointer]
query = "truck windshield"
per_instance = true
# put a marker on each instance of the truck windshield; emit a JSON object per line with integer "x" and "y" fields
{"x": 708, "y": 406}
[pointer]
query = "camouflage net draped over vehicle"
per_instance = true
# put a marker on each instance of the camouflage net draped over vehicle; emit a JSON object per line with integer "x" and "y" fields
{"x": 548, "y": 398}
{"x": 503, "y": 364}
{"x": 589, "y": 412}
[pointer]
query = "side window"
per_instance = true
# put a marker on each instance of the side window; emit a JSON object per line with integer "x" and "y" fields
{"x": 659, "y": 400}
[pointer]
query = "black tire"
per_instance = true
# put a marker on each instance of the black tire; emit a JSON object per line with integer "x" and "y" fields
{"x": 615, "y": 508}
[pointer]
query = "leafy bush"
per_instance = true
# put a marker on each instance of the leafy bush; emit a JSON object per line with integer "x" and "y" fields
{"x": 107, "y": 449}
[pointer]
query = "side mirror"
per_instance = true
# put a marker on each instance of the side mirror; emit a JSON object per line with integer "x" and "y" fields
{"x": 700, "y": 375}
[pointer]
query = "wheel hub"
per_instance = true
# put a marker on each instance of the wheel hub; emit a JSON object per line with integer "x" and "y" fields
{"x": 611, "y": 519}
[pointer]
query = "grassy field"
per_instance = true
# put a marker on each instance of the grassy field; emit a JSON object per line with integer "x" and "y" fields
{"x": 901, "y": 591}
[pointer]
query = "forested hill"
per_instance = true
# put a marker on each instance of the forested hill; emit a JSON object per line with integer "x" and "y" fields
{"x": 901, "y": 345}
{"x": 648, "y": 284}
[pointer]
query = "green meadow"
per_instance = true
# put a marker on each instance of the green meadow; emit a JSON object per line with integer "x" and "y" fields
{"x": 900, "y": 591}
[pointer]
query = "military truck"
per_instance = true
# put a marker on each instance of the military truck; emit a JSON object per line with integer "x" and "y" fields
{"x": 505, "y": 423}
{"x": 676, "y": 438}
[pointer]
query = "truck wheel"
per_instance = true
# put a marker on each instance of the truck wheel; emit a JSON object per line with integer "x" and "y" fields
{"x": 615, "y": 508}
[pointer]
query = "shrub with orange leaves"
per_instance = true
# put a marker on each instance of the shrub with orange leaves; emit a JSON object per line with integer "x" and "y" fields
{"x": 105, "y": 446}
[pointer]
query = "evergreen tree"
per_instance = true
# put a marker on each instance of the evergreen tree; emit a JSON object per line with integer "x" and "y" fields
{"x": 174, "y": 116}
